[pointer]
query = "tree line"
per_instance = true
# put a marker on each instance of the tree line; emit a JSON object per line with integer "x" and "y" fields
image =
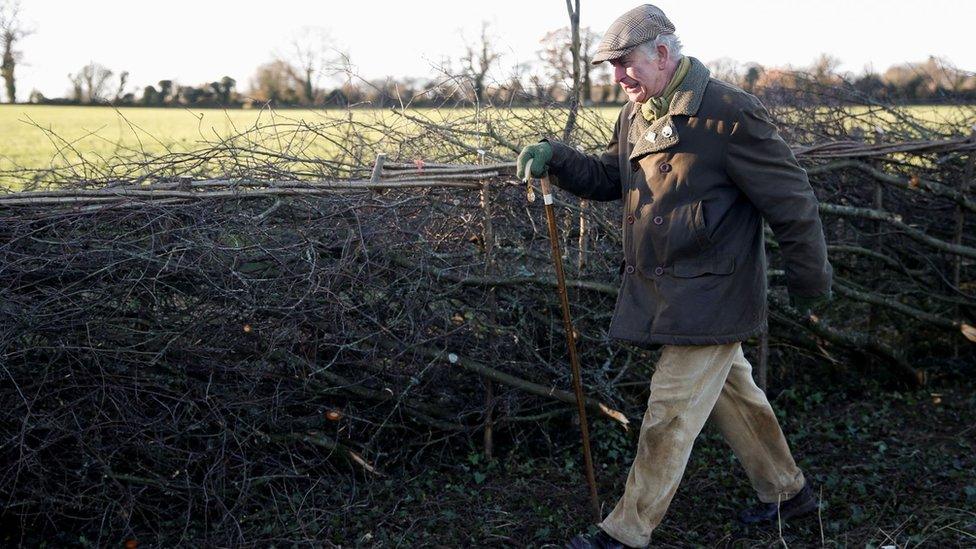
{"x": 313, "y": 72}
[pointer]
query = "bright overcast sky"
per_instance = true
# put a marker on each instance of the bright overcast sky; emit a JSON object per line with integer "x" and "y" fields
{"x": 197, "y": 41}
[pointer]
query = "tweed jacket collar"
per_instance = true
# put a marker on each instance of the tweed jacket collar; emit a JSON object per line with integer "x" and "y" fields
{"x": 647, "y": 137}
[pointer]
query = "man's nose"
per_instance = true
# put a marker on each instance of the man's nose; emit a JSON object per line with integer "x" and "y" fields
{"x": 618, "y": 74}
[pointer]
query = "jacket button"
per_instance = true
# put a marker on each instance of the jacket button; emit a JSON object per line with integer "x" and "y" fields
{"x": 634, "y": 166}
{"x": 658, "y": 271}
{"x": 658, "y": 220}
{"x": 665, "y": 167}
{"x": 630, "y": 219}
{"x": 630, "y": 269}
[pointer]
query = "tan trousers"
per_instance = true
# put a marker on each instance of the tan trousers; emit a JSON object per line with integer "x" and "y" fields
{"x": 689, "y": 385}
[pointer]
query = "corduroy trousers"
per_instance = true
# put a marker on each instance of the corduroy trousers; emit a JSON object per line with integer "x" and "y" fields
{"x": 692, "y": 384}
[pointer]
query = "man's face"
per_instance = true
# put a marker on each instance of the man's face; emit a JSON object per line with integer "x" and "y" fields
{"x": 640, "y": 77}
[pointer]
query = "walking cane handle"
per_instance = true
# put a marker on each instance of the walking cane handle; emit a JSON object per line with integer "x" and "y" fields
{"x": 529, "y": 191}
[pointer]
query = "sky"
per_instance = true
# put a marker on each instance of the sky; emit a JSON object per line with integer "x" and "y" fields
{"x": 198, "y": 41}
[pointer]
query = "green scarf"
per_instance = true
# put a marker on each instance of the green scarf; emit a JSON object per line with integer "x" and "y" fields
{"x": 656, "y": 107}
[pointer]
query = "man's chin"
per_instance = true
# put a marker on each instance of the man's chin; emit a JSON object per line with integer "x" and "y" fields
{"x": 637, "y": 97}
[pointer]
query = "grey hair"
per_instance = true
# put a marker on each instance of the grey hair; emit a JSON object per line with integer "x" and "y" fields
{"x": 669, "y": 41}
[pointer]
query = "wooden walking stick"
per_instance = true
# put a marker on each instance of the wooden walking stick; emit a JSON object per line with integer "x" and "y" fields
{"x": 557, "y": 259}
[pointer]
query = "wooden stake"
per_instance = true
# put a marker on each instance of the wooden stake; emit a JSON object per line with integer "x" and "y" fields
{"x": 762, "y": 365}
{"x": 967, "y": 179}
{"x": 488, "y": 239}
{"x": 763, "y": 369}
{"x": 378, "y": 168}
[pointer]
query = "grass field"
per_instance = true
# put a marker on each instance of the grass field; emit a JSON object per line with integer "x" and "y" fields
{"x": 33, "y": 136}
{"x": 40, "y": 136}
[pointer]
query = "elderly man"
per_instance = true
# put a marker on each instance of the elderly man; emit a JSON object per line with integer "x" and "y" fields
{"x": 698, "y": 164}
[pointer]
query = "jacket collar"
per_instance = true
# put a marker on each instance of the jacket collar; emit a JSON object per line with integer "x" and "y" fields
{"x": 647, "y": 137}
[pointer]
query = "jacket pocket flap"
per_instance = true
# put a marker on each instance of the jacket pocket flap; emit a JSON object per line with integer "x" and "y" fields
{"x": 690, "y": 268}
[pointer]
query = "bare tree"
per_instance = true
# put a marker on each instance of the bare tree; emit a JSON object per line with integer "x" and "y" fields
{"x": 573, "y": 7}
{"x": 824, "y": 70}
{"x": 557, "y": 55}
{"x": 90, "y": 84}
{"x": 928, "y": 78}
{"x": 948, "y": 76}
{"x": 276, "y": 82}
{"x": 123, "y": 80}
{"x": 12, "y": 31}
{"x": 514, "y": 89}
{"x": 97, "y": 78}
{"x": 313, "y": 55}
{"x": 477, "y": 61}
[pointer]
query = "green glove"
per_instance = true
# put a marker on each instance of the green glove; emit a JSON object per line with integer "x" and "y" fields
{"x": 810, "y": 304}
{"x": 537, "y": 156}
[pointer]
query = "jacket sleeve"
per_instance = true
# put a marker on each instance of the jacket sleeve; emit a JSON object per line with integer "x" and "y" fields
{"x": 595, "y": 177}
{"x": 765, "y": 169}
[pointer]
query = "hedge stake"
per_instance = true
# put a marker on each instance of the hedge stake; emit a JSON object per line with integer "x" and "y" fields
{"x": 557, "y": 259}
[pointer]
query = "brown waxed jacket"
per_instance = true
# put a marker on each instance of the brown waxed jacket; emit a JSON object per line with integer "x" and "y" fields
{"x": 695, "y": 186}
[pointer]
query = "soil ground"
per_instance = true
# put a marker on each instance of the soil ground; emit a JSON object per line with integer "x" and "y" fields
{"x": 891, "y": 468}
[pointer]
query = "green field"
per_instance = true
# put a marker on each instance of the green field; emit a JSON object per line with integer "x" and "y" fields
{"x": 42, "y": 136}
{"x": 38, "y": 137}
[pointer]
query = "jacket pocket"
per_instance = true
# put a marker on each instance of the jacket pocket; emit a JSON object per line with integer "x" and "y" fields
{"x": 691, "y": 268}
{"x": 699, "y": 224}
{"x": 665, "y": 237}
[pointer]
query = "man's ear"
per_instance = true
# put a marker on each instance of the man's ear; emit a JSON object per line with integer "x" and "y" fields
{"x": 662, "y": 56}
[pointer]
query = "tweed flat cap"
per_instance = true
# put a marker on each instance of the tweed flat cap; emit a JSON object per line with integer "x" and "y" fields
{"x": 639, "y": 25}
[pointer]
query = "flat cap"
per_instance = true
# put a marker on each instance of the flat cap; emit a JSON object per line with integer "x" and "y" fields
{"x": 641, "y": 24}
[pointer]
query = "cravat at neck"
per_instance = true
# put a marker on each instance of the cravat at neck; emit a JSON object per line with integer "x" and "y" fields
{"x": 656, "y": 107}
